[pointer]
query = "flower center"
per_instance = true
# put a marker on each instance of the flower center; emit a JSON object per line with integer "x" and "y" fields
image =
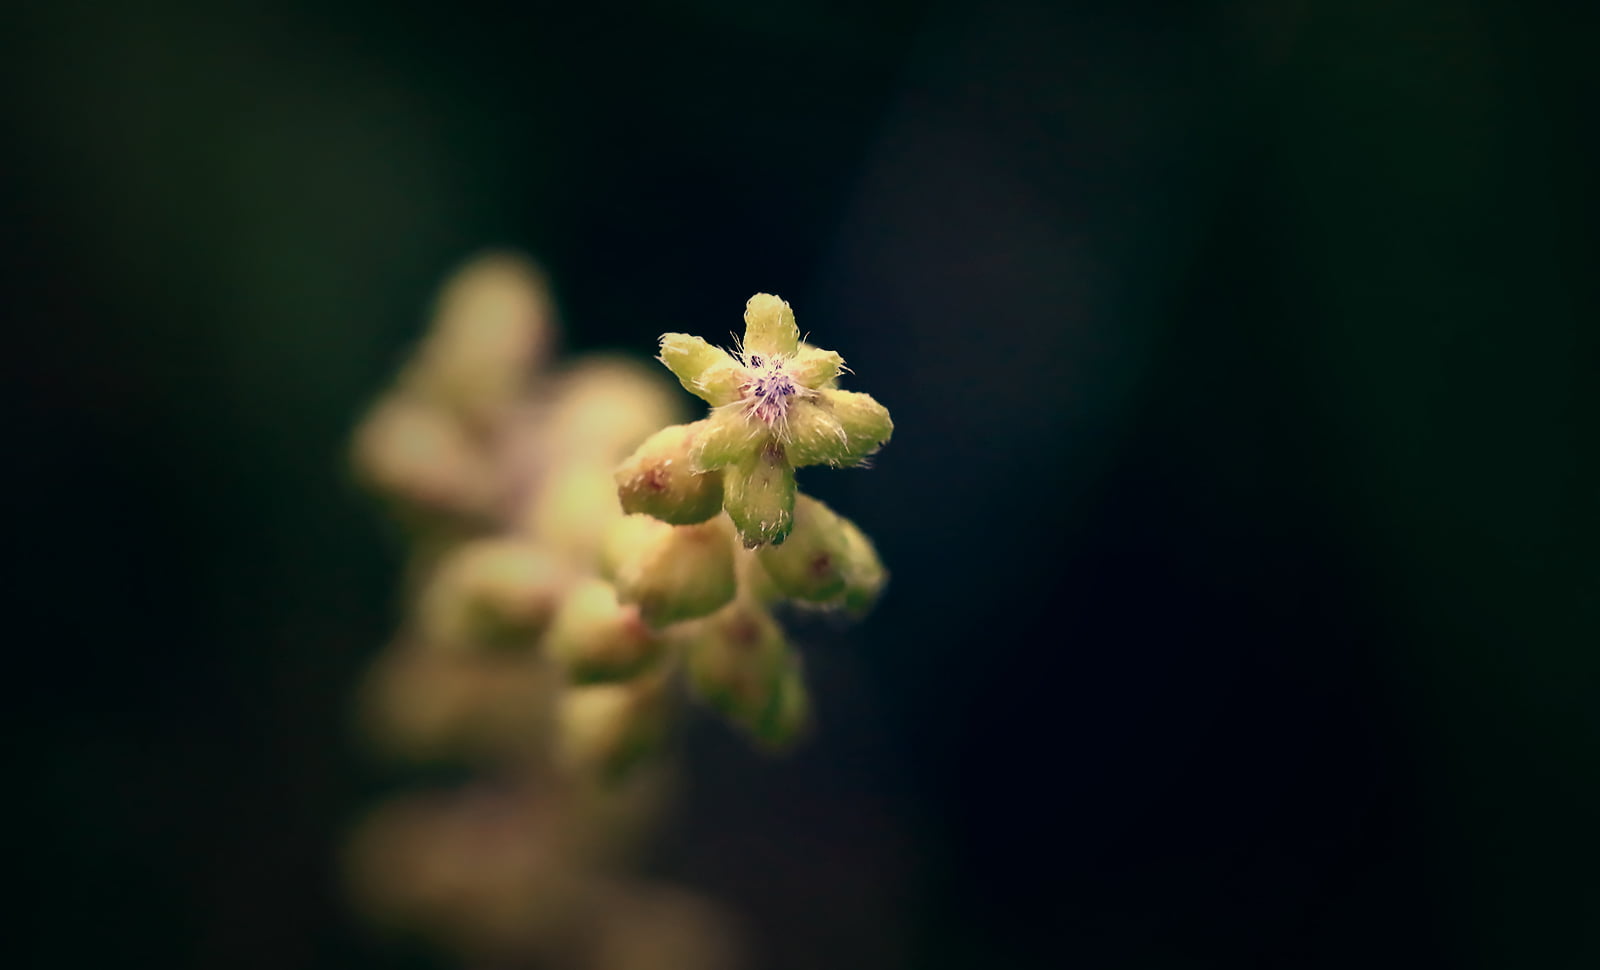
{"x": 770, "y": 390}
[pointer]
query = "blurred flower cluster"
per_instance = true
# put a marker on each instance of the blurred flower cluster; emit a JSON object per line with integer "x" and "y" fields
{"x": 573, "y": 556}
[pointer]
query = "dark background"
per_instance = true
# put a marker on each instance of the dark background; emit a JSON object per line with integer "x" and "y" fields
{"x": 1240, "y": 508}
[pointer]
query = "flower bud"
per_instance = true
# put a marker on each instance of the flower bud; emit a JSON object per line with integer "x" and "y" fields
{"x": 605, "y": 729}
{"x": 758, "y": 494}
{"x": 788, "y": 712}
{"x": 605, "y": 406}
{"x": 624, "y": 539}
{"x": 735, "y": 660}
{"x": 769, "y": 328}
{"x": 810, "y": 564}
{"x": 421, "y": 455}
{"x": 424, "y": 704}
{"x": 490, "y": 593}
{"x": 864, "y": 575}
{"x": 677, "y": 572}
{"x": 572, "y": 510}
{"x": 658, "y": 480}
{"x": 493, "y": 323}
{"x": 596, "y": 639}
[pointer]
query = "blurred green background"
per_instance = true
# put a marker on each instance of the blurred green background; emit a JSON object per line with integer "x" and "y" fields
{"x": 1241, "y": 507}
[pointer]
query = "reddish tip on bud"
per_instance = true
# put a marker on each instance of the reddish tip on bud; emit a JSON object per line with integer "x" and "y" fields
{"x": 597, "y": 639}
{"x": 658, "y": 479}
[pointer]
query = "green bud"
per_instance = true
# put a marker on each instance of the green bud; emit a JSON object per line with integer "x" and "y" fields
{"x": 606, "y": 729}
{"x": 493, "y": 323}
{"x": 678, "y": 573}
{"x": 705, "y": 371}
{"x": 758, "y": 494}
{"x": 811, "y": 563}
{"x": 658, "y": 479}
{"x": 490, "y": 593}
{"x": 864, "y": 575}
{"x": 596, "y": 639}
{"x": 736, "y": 659}
{"x": 755, "y": 583}
{"x": 426, "y": 458}
{"x": 788, "y": 712}
{"x": 603, "y": 406}
{"x": 769, "y": 328}
{"x": 623, "y": 540}
{"x": 572, "y": 510}
{"x": 836, "y": 428}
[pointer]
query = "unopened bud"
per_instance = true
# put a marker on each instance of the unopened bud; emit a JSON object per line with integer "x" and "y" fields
{"x": 864, "y": 575}
{"x": 491, "y": 593}
{"x": 605, "y": 406}
{"x": 678, "y": 572}
{"x": 810, "y": 564}
{"x": 596, "y": 639}
{"x": 758, "y": 493}
{"x": 572, "y": 510}
{"x": 605, "y": 729}
{"x": 493, "y": 323}
{"x": 658, "y": 480}
{"x": 422, "y": 456}
{"x": 736, "y": 660}
{"x": 624, "y": 539}
{"x": 788, "y": 713}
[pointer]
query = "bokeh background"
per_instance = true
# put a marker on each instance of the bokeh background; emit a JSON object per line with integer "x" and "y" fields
{"x": 1241, "y": 507}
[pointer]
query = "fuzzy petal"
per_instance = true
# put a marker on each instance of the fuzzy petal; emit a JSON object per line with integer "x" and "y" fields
{"x": 814, "y": 367}
{"x": 836, "y": 428}
{"x": 726, "y": 437}
{"x": 758, "y": 493}
{"x": 705, "y": 371}
{"x": 769, "y": 328}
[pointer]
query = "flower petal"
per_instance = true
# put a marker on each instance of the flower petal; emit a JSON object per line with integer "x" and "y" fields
{"x": 836, "y": 428}
{"x": 769, "y": 328}
{"x": 726, "y": 437}
{"x": 705, "y": 371}
{"x": 758, "y": 495}
{"x": 814, "y": 367}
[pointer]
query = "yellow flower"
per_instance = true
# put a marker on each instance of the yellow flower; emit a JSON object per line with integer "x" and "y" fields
{"x": 776, "y": 407}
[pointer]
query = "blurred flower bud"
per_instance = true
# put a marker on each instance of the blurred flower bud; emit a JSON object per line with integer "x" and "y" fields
{"x": 758, "y": 493}
{"x": 490, "y": 593}
{"x": 811, "y": 563}
{"x": 662, "y": 929}
{"x": 481, "y": 870}
{"x": 606, "y": 729}
{"x": 605, "y": 406}
{"x": 572, "y": 510}
{"x": 492, "y": 325}
{"x": 679, "y": 572}
{"x": 623, "y": 540}
{"x": 788, "y": 714}
{"x": 424, "y": 704}
{"x": 658, "y": 480}
{"x": 418, "y": 454}
{"x": 864, "y": 575}
{"x": 736, "y": 660}
{"x": 596, "y": 639}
